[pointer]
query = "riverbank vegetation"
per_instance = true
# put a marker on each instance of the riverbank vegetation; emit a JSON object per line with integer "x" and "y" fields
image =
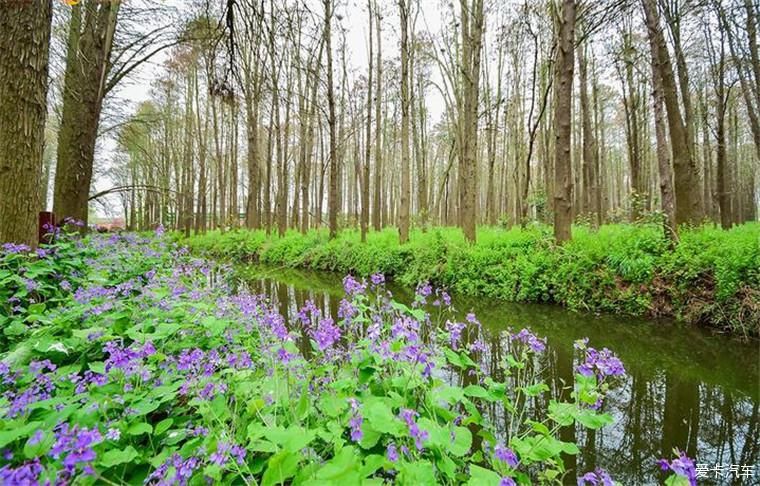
{"x": 144, "y": 366}
{"x": 712, "y": 277}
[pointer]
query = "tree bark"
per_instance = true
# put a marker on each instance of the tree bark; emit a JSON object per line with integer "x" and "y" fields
{"x": 403, "y": 222}
{"x": 332, "y": 196}
{"x": 589, "y": 140}
{"x": 377, "y": 204}
{"x": 368, "y": 134}
{"x": 90, "y": 41}
{"x": 686, "y": 177}
{"x": 665, "y": 170}
{"x": 563, "y": 185}
{"x": 24, "y": 52}
{"x": 473, "y": 25}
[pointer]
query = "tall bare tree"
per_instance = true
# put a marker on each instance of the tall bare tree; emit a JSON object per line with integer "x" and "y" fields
{"x": 563, "y": 72}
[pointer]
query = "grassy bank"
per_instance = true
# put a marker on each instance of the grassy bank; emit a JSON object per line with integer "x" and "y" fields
{"x": 711, "y": 278}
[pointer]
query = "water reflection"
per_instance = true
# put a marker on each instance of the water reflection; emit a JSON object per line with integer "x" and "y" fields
{"x": 685, "y": 388}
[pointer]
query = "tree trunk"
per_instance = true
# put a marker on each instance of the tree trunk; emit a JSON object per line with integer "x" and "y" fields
{"x": 684, "y": 167}
{"x": 403, "y": 223}
{"x": 368, "y": 135}
{"x": 377, "y": 205}
{"x": 473, "y": 25}
{"x": 90, "y": 41}
{"x": 665, "y": 170}
{"x": 563, "y": 182}
{"x": 24, "y": 51}
{"x": 589, "y": 140}
{"x": 332, "y": 196}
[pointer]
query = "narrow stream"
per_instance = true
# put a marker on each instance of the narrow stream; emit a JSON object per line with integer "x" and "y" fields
{"x": 686, "y": 388}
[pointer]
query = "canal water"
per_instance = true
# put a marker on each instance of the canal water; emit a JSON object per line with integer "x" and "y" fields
{"x": 685, "y": 388}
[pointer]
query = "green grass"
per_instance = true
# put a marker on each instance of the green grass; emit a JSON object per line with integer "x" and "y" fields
{"x": 712, "y": 277}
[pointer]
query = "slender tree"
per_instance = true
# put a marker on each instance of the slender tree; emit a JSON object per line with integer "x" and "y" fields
{"x": 563, "y": 181}
{"x": 686, "y": 177}
{"x": 403, "y": 223}
{"x": 332, "y": 197}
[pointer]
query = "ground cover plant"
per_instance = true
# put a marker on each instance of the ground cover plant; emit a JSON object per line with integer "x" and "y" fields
{"x": 129, "y": 361}
{"x": 712, "y": 277}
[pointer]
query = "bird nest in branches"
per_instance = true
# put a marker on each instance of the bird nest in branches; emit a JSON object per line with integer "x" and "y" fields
{"x": 223, "y": 90}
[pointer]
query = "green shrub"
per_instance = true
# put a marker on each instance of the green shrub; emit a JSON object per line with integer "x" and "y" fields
{"x": 711, "y": 277}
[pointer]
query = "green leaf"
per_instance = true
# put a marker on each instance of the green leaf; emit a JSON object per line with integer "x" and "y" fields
{"x": 476, "y": 391}
{"x": 292, "y": 439}
{"x": 303, "y": 407}
{"x": 593, "y": 420}
{"x": 36, "y": 309}
{"x": 98, "y": 367}
{"x": 342, "y": 468}
{"x": 144, "y": 407}
{"x": 418, "y": 473}
{"x": 213, "y": 471}
{"x": 41, "y": 447}
{"x": 462, "y": 441}
{"x": 453, "y": 358}
{"x": 372, "y": 463}
{"x": 8, "y": 436}
{"x": 280, "y": 468}
{"x": 480, "y": 476}
{"x": 114, "y": 457}
{"x": 380, "y": 417}
{"x": 163, "y": 426}
{"x": 535, "y": 389}
{"x": 215, "y": 326}
{"x": 140, "y": 428}
{"x": 562, "y": 413}
{"x": 332, "y": 405}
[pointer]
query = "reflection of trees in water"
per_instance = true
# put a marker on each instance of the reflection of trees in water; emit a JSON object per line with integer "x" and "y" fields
{"x": 654, "y": 411}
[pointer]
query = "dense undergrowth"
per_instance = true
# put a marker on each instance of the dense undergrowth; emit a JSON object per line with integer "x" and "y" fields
{"x": 127, "y": 361}
{"x": 711, "y": 278}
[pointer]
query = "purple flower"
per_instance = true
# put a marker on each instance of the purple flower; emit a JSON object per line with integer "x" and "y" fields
{"x": 419, "y": 435}
{"x": 506, "y": 481}
{"x": 76, "y": 445}
{"x": 600, "y": 363}
{"x": 326, "y": 334}
{"x": 377, "y": 279}
{"x": 283, "y": 356}
{"x": 197, "y": 431}
{"x": 535, "y": 343}
{"x": 356, "y": 427}
{"x": 391, "y": 452}
{"x": 226, "y": 451}
{"x": 183, "y": 471}
{"x": 30, "y": 284}
{"x": 353, "y": 286}
{"x": 346, "y": 309}
{"x": 15, "y": 249}
{"x": 455, "y": 333}
{"x": 423, "y": 291}
{"x": 506, "y": 455}
{"x": 599, "y": 477}
{"x": 683, "y": 465}
{"x": 26, "y": 474}
{"x": 113, "y": 434}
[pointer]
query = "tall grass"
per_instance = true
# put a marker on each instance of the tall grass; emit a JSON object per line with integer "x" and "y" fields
{"x": 712, "y": 277}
